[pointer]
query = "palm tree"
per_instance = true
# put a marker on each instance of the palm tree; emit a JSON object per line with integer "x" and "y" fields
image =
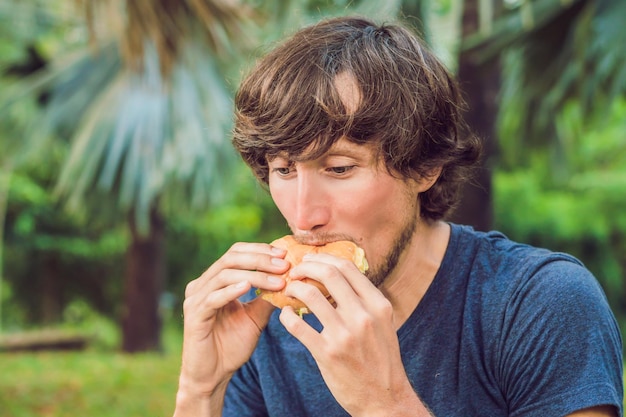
{"x": 145, "y": 109}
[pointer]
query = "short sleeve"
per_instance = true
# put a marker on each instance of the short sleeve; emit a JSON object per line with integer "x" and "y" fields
{"x": 560, "y": 348}
{"x": 243, "y": 395}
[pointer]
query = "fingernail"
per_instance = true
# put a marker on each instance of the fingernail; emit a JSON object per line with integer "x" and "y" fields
{"x": 279, "y": 262}
{"x": 278, "y": 251}
{"x": 274, "y": 280}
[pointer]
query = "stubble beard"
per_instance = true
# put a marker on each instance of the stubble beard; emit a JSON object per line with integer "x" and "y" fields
{"x": 379, "y": 275}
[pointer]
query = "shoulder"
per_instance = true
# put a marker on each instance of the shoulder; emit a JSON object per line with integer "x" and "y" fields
{"x": 554, "y": 342}
{"x": 524, "y": 294}
{"x": 493, "y": 256}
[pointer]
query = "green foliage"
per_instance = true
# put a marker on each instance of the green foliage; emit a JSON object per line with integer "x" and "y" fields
{"x": 89, "y": 256}
{"x": 286, "y": 16}
{"x": 102, "y": 332}
{"x": 131, "y": 137}
{"x": 38, "y": 222}
{"x": 57, "y": 252}
{"x": 560, "y": 173}
{"x": 195, "y": 242}
{"x": 575, "y": 205}
{"x": 576, "y": 56}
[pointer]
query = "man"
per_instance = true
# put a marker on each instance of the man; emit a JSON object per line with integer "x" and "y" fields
{"x": 356, "y": 129}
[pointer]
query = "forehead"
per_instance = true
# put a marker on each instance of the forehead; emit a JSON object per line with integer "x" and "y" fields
{"x": 342, "y": 147}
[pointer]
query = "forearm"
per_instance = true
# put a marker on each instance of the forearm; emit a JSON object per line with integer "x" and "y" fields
{"x": 190, "y": 402}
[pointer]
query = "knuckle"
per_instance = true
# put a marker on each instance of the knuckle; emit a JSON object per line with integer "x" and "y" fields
{"x": 384, "y": 307}
{"x": 190, "y": 288}
{"x": 344, "y": 264}
{"x": 366, "y": 322}
{"x": 307, "y": 291}
{"x": 342, "y": 342}
{"x": 297, "y": 326}
{"x": 187, "y": 306}
{"x": 236, "y": 246}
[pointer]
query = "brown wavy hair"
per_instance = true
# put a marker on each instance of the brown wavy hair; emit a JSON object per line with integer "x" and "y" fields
{"x": 409, "y": 109}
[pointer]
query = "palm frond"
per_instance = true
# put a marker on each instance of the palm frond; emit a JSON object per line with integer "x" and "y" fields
{"x": 142, "y": 138}
{"x": 144, "y": 106}
{"x": 166, "y": 24}
{"x": 606, "y": 48}
{"x": 514, "y": 25}
{"x": 579, "y": 56}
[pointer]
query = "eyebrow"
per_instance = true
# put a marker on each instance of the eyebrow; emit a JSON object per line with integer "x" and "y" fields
{"x": 281, "y": 154}
{"x": 348, "y": 149}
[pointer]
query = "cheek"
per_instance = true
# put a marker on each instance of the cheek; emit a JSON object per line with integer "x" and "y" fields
{"x": 281, "y": 198}
{"x": 385, "y": 214}
{"x": 385, "y": 202}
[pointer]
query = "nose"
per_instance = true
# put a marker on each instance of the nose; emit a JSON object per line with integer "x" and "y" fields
{"x": 312, "y": 210}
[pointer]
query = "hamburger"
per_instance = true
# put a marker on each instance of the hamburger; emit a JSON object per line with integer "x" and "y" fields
{"x": 295, "y": 252}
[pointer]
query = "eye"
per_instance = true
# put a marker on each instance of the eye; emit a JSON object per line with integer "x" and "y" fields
{"x": 282, "y": 171}
{"x": 340, "y": 170}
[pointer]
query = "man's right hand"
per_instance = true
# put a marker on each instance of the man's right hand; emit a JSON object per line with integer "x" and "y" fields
{"x": 220, "y": 332}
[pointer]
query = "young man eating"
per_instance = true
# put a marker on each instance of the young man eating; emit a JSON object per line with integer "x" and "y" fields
{"x": 356, "y": 129}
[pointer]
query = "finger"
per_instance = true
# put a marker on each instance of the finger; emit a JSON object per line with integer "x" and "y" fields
{"x": 252, "y": 256}
{"x": 334, "y": 274}
{"x": 316, "y": 302}
{"x": 225, "y": 278}
{"x": 238, "y": 263}
{"x": 201, "y": 306}
{"x": 359, "y": 283}
{"x": 352, "y": 291}
{"x": 299, "y": 328}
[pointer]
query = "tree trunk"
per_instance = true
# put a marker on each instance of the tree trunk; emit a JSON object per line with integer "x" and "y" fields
{"x": 480, "y": 84}
{"x": 145, "y": 274}
{"x": 51, "y": 291}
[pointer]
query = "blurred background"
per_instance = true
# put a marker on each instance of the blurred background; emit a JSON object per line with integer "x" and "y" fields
{"x": 118, "y": 183}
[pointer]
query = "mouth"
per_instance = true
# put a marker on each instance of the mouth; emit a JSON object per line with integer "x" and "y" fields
{"x": 310, "y": 241}
{"x": 320, "y": 239}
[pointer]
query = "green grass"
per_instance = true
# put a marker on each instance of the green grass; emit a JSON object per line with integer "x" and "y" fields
{"x": 90, "y": 383}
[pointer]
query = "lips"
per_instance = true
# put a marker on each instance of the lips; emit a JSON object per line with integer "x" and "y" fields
{"x": 321, "y": 240}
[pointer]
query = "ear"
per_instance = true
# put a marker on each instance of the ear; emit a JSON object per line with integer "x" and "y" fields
{"x": 424, "y": 183}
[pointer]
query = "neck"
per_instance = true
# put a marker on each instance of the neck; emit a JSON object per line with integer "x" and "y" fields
{"x": 416, "y": 269}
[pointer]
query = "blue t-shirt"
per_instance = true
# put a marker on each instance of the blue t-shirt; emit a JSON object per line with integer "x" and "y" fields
{"x": 504, "y": 329}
